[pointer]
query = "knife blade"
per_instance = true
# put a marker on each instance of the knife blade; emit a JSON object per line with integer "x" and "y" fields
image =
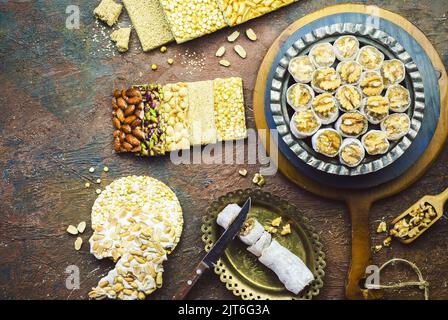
{"x": 215, "y": 252}
{"x": 228, "y": 235}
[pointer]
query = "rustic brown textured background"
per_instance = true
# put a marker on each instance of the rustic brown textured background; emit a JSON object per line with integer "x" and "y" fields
{"x": 55, "y": 124}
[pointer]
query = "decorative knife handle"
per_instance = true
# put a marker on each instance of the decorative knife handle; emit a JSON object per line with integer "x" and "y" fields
{"x": 191, "y": 280}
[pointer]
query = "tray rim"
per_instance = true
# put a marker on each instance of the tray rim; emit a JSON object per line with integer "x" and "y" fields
{"x": 319, "y": 35}
{"x": 227, "y": 272}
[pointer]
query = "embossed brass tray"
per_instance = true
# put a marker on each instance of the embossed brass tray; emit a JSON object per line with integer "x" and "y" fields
{"x": 240, "y": 270}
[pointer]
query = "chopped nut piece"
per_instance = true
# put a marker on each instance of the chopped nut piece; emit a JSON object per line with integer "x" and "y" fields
{"x": 382, "y": 227}
{"x": 78, "y": 243}
{"x": 271, "y": 229}
{"x": 81, "y": 226}
{"x": 154, "y": 67}
{"x": 418, "y": 219}
{"x": 163, "y": 49}
{"x": 193, "y": 18}
{"x": 276, "y": 222}
{"x": 86, "y": 185}
{"x": 286, "y": 230}
{"x": 259, "y": 180}
{"x": 72, "y": 230}
{"x": 233, "y": 36}
{"x": 251, "y": 34}
{"x": 387, "y": 241}
{"x": 241, "y": 51}
{"x": 243, "y": 172}
{"x": 378, "y": 248}
{"x": 224, "y": 63}
{"x": 220, "y": 52}
{"x": 170, "y": 61}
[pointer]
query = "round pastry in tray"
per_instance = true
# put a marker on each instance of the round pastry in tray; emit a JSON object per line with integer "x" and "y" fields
{"x": 359, "y": 83}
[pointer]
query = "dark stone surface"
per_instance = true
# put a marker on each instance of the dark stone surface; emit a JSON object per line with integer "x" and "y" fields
{"x": 55, "y": 124}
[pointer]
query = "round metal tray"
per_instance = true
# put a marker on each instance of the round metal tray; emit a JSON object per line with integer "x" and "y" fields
{"x": 282, "y": 113}
{"x": 240, "y": 270}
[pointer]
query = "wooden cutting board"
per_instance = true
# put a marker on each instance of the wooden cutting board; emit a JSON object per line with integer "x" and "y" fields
{"x": 358, "y": 201}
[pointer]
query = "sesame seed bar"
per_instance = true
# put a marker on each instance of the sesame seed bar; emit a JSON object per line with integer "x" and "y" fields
{"x": 229, "y": 108}
{"x": 108, "y": 11}
{"x": 239, "y": 11}
{"x": 175, "y": 116}
{"x": 201, "y": 113}
{"x": 149, "y": 21}
{"x": 190, "y": 19}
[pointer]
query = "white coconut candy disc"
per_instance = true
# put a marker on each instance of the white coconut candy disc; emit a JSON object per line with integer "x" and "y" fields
{"x": 131, "y": 212}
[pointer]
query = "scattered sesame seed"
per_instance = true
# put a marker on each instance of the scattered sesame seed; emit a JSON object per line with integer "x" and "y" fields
{"x": 98, "y": 180}
{"x": 91, "y": 169}
{"x": 86, "y": 185}
{"x": 98, "y": 191}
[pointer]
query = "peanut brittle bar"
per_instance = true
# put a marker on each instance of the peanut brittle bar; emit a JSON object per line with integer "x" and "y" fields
{"x": 229, "y": 108}
{"x": 190, "y": 19}
{"x": 239, "y": 11}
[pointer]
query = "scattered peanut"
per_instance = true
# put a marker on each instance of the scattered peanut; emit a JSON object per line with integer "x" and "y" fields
{"x": 387, "y": 241}
{"x": 240, "y": 51}
{"x": 378, "y": 248}
{"x": 251, "y": 34}
{"x": 72, "y": 230}
{"x": 382, "y": 227}
{"x": 78, "y": 243}
{"x": 81, "y": 226}
{"x": 259, "y": 180}
{"x": 220, "y": 52}
{"x": 243, "y": 172}
{"x": 233, "y": 36}
{"x": 224, "y": 63}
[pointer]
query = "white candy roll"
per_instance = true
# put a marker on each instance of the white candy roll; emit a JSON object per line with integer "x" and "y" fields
{"x": 251, "y": 231}
{"x": 341, "y": 50}
{"x": 262, "y": 243}
{"x": 288, "y": 267}
{"x": 227, "y": 215}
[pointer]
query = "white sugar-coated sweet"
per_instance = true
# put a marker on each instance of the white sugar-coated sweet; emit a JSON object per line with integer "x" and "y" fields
{"x": 300, "y": 134}
{"x": 315, "y": 140}
{"x": 289, "y": 268}
{"x": 396, "y": 126}
{"x": 227, "y": 215}
{"x": 251, "y": 231}
{"x": 262, "y": 243}
{"x": 322, "y": 55}
{"x": 346, "y": 48}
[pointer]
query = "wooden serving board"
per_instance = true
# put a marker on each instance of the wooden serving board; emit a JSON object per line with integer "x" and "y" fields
{"x": 360, "y": 200}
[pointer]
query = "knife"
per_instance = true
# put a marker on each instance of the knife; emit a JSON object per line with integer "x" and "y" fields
{"x": 215, "y": 252}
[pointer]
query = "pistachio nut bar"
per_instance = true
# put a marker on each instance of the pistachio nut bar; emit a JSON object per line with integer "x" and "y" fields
{"x": 239, "y": 11}
{"x": 128, "y": 117}
{"x": 190, "y": 19}
{"x": 175, "y": 116}
{"x": 149, "y": 21}
{"x": 229, "y": 108}
{"x": 201, "y": 114}
{"x": 153, "y": 125}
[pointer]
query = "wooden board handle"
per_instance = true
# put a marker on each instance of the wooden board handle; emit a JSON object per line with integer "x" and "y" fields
{"x": 191, "y": 280}
{"x": 361, "y": 250}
